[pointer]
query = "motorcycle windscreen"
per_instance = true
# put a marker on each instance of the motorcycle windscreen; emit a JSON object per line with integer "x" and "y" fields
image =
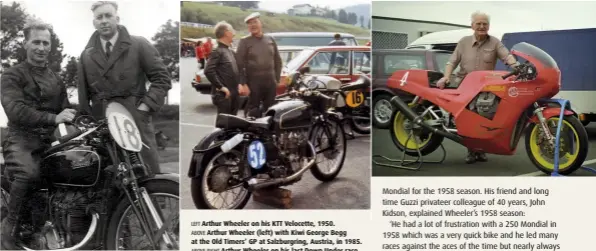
{"x": 536, "y": 53}
{"x": 123, "y": 128}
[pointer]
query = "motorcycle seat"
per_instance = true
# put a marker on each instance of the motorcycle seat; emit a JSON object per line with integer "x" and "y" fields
{"x": 361, "y": 83}
{"x": 227, "y": 121}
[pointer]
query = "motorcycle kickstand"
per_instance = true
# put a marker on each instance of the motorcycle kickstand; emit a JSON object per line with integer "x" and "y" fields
{"x": 349, "y": 133}
{"x": 404, "y": 163}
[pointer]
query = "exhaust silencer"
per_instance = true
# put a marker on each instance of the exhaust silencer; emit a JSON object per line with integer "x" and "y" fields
{"x": 412, "y": 116}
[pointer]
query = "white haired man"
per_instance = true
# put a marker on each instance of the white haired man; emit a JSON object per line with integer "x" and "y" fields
{"x": 478, "y": 52}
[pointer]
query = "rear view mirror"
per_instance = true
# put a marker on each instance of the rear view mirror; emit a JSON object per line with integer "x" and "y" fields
{"x": 305, "y": 69}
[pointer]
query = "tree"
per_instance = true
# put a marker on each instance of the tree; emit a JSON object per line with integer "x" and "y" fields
{"x": 362, "y": 21}
{"x": 13, "y": 52}
{"x": 313, "y": 12}
{"x": 166, "y": 43}
{"x": 241, "y": 4}
{"x": 343, "y": 17}
{"x": 352, "y": 18}
{"x": 69, "y": 73}
{"x": 369, "y": 24}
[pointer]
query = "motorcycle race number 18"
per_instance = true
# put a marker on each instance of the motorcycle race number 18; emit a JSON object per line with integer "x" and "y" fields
{"x": 123, "y": 127}
{"x": 257, "y": 156}
{"x": 354, "y": 98}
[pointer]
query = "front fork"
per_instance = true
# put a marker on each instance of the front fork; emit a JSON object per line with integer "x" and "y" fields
{"x": 543, "y": 123}
{"x": 147, "y": 213}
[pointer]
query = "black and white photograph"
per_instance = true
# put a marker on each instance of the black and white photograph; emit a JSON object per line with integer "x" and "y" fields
{"x": 89, "y": 125}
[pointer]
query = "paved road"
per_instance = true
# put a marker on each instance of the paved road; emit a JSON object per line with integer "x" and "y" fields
{"x": 454, "y": 165}
{"x": 351, "y": 190}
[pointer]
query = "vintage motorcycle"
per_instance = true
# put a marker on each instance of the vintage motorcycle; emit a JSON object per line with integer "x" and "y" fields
{"x": 96, "y": 193}
{"x": 489, "y": 111}
{"x": 352, "y": 99}
{"x": 243, "y": 155}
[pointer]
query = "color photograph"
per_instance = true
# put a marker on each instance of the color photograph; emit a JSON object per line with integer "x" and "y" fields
{"x": 472, "y": 92}
{"x": 275, "y": 105}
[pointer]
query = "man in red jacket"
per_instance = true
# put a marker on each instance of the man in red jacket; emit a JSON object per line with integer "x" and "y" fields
{"x": 207, "y": 48}
{"x": 200, "y": 53}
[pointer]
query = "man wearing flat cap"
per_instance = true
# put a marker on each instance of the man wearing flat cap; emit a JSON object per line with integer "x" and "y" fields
{"x": 260, "y": 65}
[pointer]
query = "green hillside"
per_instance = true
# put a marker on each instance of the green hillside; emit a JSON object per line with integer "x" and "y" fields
{"x": 209, "y": 13}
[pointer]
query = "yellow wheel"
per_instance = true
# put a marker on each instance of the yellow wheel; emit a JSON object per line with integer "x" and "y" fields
{"x": 401, "y": 128}
{"x": 573, "y": 146}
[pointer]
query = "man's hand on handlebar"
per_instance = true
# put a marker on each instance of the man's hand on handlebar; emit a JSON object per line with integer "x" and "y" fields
{"x": 443, "y": 82}
{"x": 67, "y": 115}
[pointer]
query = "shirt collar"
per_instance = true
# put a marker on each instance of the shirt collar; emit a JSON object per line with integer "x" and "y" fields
{"x": 112, "y": 40}
{"x": 477, "y": 42}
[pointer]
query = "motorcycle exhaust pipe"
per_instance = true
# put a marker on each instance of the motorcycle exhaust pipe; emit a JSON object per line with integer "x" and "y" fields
{"x": 273, "y": 182}
{"x": 86, "y": 239}
{"x": 410, "y": 114}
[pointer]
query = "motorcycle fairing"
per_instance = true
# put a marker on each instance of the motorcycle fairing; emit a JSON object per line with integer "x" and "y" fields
{"x": 478, "y": 132}
{"x": 123, "y": 128}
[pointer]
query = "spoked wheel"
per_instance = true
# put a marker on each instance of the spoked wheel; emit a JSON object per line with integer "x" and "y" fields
{"x": 573, "y": 146}
{"x": 125, "y": 231}
{"x": 420, "y": 139}
{"x": 361, "y": 125}
{"x": 329, "y": 142}
{"x": 219, "y": 185}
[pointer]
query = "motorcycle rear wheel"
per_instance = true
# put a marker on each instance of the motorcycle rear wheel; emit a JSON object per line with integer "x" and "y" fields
{"x": 197, "y": 186}
{"x": 154, "y": 188}
{"x": 399, "y": 135}
{"x": 573, "y": 159}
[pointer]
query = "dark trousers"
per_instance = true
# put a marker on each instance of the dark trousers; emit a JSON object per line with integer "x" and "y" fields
{"x": 227, "y": 105}
{"x": 202, "y": 62}
{"x": 144, "y": 121}
{"x": 22, "y": 156}
{"x": 262, "y": 95}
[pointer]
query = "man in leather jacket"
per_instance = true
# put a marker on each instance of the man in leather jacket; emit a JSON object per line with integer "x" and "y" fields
{"x": 115, "y": 66}
{"x": 260, "y": 65}
{"x": 34, "y": 99}
{"x": 222, "y": 70}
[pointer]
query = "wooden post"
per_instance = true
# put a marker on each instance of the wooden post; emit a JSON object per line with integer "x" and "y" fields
{"x": 275, "y": 197}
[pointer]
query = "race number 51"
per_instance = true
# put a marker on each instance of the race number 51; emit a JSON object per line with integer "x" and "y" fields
{"x": 354, "y": 98}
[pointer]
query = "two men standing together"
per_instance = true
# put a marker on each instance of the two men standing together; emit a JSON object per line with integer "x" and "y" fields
{"x": 254, "y": 70}
{"x": 114, "y": 66}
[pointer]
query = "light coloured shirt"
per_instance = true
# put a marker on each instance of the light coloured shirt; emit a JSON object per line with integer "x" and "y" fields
{"x": 112, "y": 40}
{"x": 472, "y": 55}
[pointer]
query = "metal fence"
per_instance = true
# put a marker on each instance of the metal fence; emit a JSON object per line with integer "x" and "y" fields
{"x": 389, "y": 40}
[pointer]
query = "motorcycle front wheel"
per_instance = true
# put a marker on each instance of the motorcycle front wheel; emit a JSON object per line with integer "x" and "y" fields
{"x": 573, "y": 145}
{"x": 320, "y": 139}
{"x": 125, "y": 231}
{"x": 215, "y": 176}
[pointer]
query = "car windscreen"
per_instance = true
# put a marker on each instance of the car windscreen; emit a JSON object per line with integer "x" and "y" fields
{"x": 309, "y": 41}
{"x": 298, "y": 60}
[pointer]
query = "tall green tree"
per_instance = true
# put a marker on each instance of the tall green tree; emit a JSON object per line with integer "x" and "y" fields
{"x": 69, "y": 73}
{"x": 14, "y": 18}
{"x": 167, "y": 43}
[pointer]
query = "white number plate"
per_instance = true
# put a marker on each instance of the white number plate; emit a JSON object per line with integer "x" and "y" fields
{"x": 123, "y": 128}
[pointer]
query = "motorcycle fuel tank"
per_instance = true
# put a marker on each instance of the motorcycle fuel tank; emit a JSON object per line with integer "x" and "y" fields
{"x": 292, "y": 114}
{"x": 72, "y": 166}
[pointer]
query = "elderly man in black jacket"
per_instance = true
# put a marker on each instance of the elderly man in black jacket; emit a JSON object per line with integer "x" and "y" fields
{"x": 35, "y": 101}
{"x": 115, "y": 66}
{"x": 222, "y": 71}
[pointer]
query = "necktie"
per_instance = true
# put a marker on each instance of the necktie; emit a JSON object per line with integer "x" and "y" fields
{"x": 108, "y": 49}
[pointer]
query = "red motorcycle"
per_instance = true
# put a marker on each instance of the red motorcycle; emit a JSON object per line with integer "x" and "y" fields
{"x": 489, "y": 111}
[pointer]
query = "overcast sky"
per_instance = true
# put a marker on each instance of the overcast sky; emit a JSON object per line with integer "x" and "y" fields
{"x": 505, "y": 16}
{"x": 73, "y": 20}
{"x": 283, "y": 6}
